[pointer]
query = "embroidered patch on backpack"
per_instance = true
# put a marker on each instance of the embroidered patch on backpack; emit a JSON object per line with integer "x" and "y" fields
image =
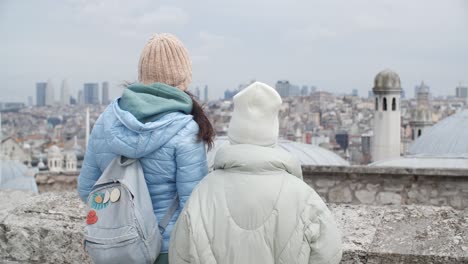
{"x": 91, "y": 218}
{"x": 99, "y": 202}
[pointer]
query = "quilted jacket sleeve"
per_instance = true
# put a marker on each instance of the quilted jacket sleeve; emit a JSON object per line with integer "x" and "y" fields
{"x": 179, "y": 246}
{"x": 90, "y": 171}
{"x": 321, "y": 232}
{"x": 191, "y": 164}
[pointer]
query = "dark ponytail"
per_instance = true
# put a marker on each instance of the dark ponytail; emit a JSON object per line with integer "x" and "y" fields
{"x": 206, "y": 131}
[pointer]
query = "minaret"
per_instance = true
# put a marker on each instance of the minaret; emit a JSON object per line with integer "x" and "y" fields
{"x": 87, "y": 127}
{"x": 387, "y": 91}
{"x": 421, "y": 117}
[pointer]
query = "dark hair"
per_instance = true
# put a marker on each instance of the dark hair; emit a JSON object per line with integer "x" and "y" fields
{"x": 206, "y": 131}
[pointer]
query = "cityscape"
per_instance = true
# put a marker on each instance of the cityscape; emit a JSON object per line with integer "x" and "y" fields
{"x": 341, "y": 123}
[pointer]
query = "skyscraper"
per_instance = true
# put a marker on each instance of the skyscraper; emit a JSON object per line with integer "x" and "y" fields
{"x": 197, "y": 93}
{"x": 294, "y": 90}
{"x": 64, "y": 93}
{"x": 105, "y": 93}
{"x": 312, "y": 89}
{"x": 283, "y": 87}
{"x": 461, "y": 92}
{"x": 206, "y": 93}
{"x": 80, "y": 97}
{"x": 305, "y": 90}
{"x": 50, "y": 93}
{"x": 41, "y": 91}
{"x": 91, "y": 93}
{"x": 229, "y": 94}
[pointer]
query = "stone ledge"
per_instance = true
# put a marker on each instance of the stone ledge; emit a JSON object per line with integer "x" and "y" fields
{"x": 383, "y": 171}
{"x": 47, "y": 229}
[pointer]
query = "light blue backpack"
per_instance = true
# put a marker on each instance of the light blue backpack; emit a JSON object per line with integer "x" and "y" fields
{"x": 121, "y": 226}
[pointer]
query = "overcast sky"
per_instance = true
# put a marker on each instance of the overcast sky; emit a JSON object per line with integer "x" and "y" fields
{"x": 336, "y": 45}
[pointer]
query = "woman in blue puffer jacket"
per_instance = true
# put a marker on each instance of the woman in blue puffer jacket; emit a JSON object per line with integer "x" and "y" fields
{"x": 159, "y": 123}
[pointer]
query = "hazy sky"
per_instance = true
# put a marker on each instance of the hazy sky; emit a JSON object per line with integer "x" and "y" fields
{"x": 336, "y": 45}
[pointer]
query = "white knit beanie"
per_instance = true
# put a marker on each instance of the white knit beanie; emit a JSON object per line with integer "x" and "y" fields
{"x": 255, "y": 117}
{"x": 164, "y": 59}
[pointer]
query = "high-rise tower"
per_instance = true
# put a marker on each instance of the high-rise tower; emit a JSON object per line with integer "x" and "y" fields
{"x": 91, "y": 93}
{"x": 64, "y": 93}
{"x": 41, "y": 93}
{"x": 387, "y": 91}
{"x": 50, "y": 94}
{"x": 105, "y": 93}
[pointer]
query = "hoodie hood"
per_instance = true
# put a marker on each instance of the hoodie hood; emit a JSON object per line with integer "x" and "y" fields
{"x": 126, "y": 135}
{"x": 252, "y": 159}
{"x": 148, "y": 102}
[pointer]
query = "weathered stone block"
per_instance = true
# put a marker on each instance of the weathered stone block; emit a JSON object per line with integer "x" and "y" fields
{"x": 47, "y": 229}
{"x": 325, "y": 183}
{"x": 449, "y": 193}
{"x": 373, "y": 187}
{"x": 430, "y": 231}
{"x": 438, "y": 201}
{"x": 418, "y": 195}
{"x": 365, "y": 196}
{"x": 389, "y": 198}
{"x": 456, "y": 202}
{"x": 355, "y": 185}
{"x": 340, "y": 194}
{"x": 393, "y": 187}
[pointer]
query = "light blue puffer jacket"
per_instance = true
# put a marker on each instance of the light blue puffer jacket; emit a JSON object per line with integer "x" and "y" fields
{"x": 172, "y": 158}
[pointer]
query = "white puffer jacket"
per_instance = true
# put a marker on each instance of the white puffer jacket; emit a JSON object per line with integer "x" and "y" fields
{"x": 255, "y": 208}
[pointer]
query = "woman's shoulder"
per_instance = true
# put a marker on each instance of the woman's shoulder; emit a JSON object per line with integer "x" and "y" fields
{"x": 191, "y": 128}
{"x": 105, "y": 117}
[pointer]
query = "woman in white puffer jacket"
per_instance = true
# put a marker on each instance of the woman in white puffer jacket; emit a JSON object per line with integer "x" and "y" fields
{"x": 254, "y": 207}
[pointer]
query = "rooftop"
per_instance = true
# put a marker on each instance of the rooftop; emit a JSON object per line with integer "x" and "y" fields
{"x": 447, "y": 138}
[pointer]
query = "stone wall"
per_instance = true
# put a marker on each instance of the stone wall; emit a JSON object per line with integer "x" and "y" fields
{"x": 56, "y": 182}
{"x": 47, "y": 228}
{"x": 389, "y": 186}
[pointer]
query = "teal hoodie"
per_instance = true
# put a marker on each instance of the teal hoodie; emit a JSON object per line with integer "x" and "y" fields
{"x": 149, "y": 102}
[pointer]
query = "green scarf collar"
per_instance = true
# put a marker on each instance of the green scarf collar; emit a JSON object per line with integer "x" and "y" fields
{"x": 149, "y": 102}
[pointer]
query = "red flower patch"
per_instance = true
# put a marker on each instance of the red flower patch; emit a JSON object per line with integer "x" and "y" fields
{"x": 91, "y": 218}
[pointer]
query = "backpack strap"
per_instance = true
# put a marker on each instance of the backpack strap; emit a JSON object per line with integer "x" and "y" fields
{"x": 170, "y": 212}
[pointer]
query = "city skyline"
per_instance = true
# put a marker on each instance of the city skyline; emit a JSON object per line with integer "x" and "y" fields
{"x": 332, "y": 45}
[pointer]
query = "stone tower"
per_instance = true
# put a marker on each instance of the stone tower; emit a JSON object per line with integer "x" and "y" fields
{"x": 421, "y": 120}
{"x": 421, "y": 117}
{"x": 387, "y": 91}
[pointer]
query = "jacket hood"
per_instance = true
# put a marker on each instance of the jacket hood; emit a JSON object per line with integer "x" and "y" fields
{"x": 148, "y": 102}
{"x": 246, "y": 158}
{"x": 127, "y": 136}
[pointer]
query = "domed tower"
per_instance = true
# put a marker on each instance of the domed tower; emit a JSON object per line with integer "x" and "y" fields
{"x": 70, "y": 161}
{"x": 421, "y": 120}
{"x": 387, "y": 91}
{"x": 54, "y": 159}
{"x": 421, "y": 117}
